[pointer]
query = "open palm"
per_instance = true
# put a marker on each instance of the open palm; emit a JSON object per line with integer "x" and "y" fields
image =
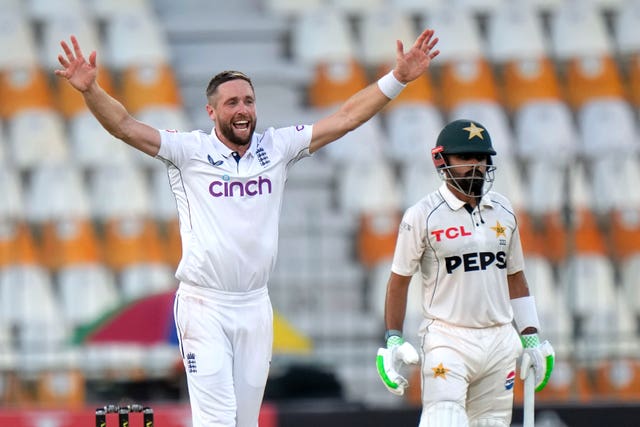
{"x": 415, "y": 61}
{"x": 80, "y": 73}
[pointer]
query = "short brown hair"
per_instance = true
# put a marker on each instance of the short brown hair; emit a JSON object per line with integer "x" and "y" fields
{"x": 226, "y": 76}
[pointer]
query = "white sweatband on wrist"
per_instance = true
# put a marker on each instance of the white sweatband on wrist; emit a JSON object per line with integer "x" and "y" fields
{"x": 524, "y": 313}
{"x": 390, "y": 86}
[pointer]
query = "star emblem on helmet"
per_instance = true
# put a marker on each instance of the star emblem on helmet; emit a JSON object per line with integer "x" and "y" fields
{"x": 474, "y": 131}
{"x": 499, "y": 229}
{"x": 440, "y": 371}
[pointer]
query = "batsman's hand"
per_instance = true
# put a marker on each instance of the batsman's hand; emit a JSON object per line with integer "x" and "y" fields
{"x": 390, "y": 360}
{"x": 540, "y": 357}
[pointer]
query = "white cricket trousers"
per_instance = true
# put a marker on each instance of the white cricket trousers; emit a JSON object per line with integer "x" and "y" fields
{"x": 475, "y": 368}
{"x": 226, "y": 344}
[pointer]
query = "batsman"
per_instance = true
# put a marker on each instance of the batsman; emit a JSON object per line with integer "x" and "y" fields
{"x": 463, "y": 239}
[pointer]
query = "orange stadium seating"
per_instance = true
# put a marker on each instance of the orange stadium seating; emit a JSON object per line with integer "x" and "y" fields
{"x": 529, "y": 80}
{"x": 24, "y": 88}
{"x": 334, "y": 82}
{"x": 465, "y": 81}
{"x": 69, "y": 241}
{"x": 592, "y": 77}
{"x": 149, "y": 85}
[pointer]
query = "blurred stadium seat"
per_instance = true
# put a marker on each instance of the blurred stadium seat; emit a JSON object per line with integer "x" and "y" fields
{"x": 322, "y": 35}
{"x": 466, "y": 80}
{"x": 87, "y": 291}
{"x": 591, "y": 78}
{"x": 43, "y": 10}
{"x": 17, "y": 39}
{"x": 133, "y": 37}
{"x": 379, "y": 26}
{"x": 515, "y": 33}
{"x": 336, "y": 81}
{"x": 23, "y": 89}
{"x": 529, "y": 81}
{"x": 625, "y": 28}
{"x": 30, "y": 306}
{"x": 106, "y": 9}
{"x": 68, "y": 18}
{"x": 454, "y": 45}
{"x": 291, "y": 8}
{"x": 409, "y": 125}
{"x": 147, "y": 86}
{"x": 578, "y": 30}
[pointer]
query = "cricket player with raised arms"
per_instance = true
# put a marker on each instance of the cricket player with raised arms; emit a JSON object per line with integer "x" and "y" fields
{"x": 228, "y": 183}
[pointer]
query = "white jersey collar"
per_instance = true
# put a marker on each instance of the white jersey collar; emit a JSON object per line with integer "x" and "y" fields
{"x": 225, "y": 151}
{"x": 454, "y": 203}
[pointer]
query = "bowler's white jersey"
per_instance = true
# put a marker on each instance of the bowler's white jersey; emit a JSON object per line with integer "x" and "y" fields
{"x": 228, "y": 206}
{"x": 464, "y": 257}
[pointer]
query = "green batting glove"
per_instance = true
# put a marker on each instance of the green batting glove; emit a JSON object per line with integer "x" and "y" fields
{"x": 390, "y": 360}
{"x": 540, "y": 357}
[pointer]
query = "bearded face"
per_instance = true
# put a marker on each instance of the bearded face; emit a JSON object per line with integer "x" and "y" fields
{"x": 238, "y": 131}
{"x": 233, "y": 109}
{"x": 468, "y": 173}
{"x": 470, "y": 181}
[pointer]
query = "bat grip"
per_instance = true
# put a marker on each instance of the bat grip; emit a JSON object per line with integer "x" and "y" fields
{"x": 529, "y": 399}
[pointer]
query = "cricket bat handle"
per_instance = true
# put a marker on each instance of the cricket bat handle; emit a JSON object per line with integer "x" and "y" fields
{"x": 529, "y": 399}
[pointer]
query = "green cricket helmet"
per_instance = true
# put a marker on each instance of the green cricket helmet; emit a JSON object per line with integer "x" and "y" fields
{"x": 462, "y": 137}
{"x": 465, "y": 137}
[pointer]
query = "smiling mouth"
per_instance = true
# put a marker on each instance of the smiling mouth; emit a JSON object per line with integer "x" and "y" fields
{"x": 241, "y": 125}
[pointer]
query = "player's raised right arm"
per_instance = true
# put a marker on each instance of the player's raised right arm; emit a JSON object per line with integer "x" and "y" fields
{"x": 112, "y": 115}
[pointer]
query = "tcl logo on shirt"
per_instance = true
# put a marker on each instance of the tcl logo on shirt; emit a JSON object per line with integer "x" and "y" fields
{"x": 475, "y": 261}
{"x": 450, "y": 233}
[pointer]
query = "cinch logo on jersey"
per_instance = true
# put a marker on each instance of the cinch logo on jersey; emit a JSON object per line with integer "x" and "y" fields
{"x": 475, "y": 261}
{"x": 228, "y": 188}
{"x": 450, "y": 233}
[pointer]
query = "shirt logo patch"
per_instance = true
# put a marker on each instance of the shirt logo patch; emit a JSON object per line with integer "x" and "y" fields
{"x": 263, "y": 159}
{"x": 228, "y": 188}
{"x": 404, "y": 226}
{"x": 476, "y": 261}
{"x": 440, "y": 371}
{"x": 191, "y": 363}
{"x": 214, "y": 163}
{"x": 499, "y": 229}
{"x": 509, "y": 382}
{"x": 299, "y": 128}
{"x": 450, "y": 233}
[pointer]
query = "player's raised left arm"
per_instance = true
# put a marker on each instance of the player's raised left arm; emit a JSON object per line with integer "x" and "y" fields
{"x": 364, "y": 104}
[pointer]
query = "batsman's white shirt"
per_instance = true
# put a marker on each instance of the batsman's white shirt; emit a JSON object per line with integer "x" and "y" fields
{"x": 229, "y": 209}
{"x": 464, "y": 257}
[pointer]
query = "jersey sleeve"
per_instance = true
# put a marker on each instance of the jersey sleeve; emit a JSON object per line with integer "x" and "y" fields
{"x": 515, "y": 260}
{"x": 410, "y": 244}
{"x": 177, "y": 147}
{"x": 296, "y": 140}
